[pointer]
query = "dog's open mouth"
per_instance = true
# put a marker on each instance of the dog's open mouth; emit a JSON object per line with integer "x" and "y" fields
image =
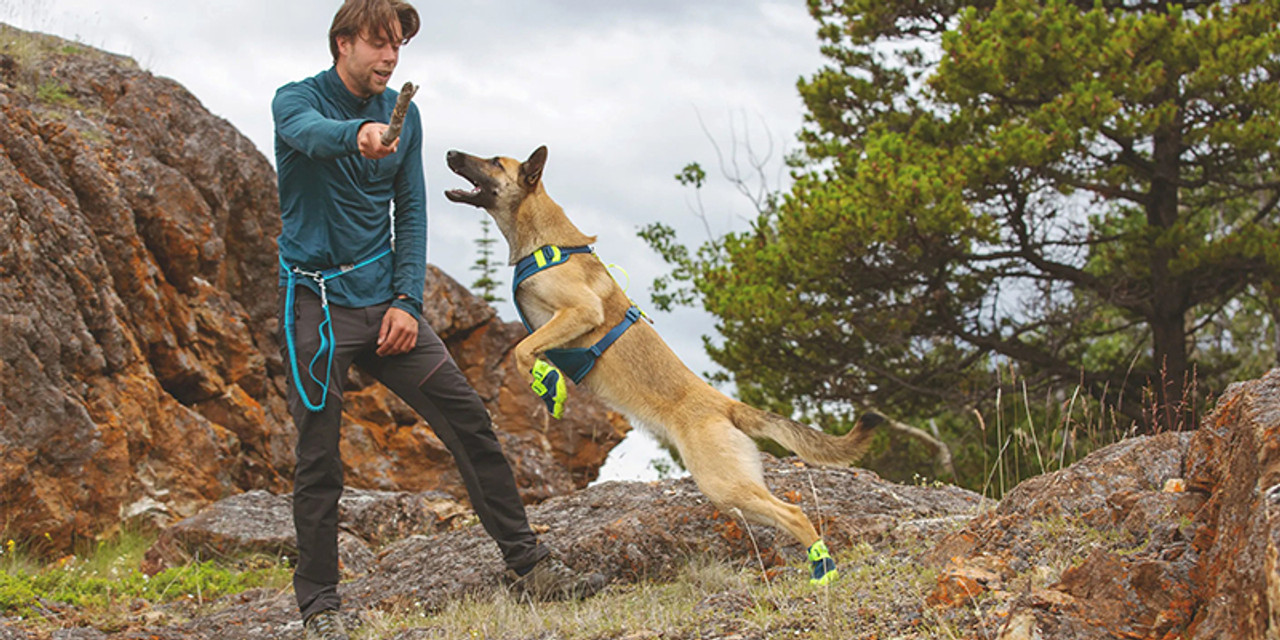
{"x": 463, "y": 195}
{"x": 477, "y": 194}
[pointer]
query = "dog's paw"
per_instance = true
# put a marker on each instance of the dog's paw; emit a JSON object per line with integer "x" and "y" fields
{"x": 548, "y": 384}
{"x": 823, "y": 566}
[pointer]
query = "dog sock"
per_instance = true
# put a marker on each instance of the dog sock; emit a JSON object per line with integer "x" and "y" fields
{"x": 824, "y": 566}
{"x": 549, "y": 385}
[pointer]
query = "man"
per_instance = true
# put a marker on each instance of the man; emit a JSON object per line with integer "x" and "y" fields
{"x": 349, "y": 296}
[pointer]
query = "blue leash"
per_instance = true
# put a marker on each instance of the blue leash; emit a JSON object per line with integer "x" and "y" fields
{"x": 325, "y": 329}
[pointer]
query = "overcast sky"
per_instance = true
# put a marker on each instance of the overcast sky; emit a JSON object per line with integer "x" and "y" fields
{"x": 615, "y": 90}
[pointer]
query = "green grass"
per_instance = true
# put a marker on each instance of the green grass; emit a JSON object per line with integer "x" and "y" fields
{"x": 881, "y": 593}
{"x": 99, "y": 584}
{"x": 37, "y": 56}
{"x": 54, "y": 94}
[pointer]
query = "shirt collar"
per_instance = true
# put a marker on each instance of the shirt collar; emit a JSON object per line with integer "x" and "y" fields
{"x": 342, "y": 94}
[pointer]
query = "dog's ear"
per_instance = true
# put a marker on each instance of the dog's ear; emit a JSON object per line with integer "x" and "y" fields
{"x": 531, "y": 169}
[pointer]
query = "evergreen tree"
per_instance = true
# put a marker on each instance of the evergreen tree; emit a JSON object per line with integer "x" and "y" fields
{"x": 1087, "y": 190}
{"x": 486, "y": 285}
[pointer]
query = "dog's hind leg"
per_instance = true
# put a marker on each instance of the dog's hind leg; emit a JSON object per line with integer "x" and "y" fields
{"x": 728, "y": 471}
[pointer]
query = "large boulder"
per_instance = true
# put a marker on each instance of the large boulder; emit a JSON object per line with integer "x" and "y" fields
{"x": 1169, "y": 536}
{"x": 140, "y": 372}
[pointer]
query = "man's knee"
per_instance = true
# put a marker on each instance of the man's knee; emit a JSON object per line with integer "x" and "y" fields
{"x": 470, "y": 418}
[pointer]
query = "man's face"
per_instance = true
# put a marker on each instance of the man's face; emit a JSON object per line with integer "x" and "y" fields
{"x": 366, "y": 61}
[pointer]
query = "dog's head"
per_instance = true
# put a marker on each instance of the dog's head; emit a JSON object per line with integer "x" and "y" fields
{"x": 499, "y": 184}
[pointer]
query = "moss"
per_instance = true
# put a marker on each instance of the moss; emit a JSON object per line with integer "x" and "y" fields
{"x": 16, "y": 594}
{"x": 54, "y": 94}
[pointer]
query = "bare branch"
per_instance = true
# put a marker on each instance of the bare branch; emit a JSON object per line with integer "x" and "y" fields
{"x": 942, "y": 453}
{"x": 397, "y": 114}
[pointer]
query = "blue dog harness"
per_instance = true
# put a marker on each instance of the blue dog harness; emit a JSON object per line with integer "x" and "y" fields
{"x": 325, "y": 328}
{"x": 575, "y": 362}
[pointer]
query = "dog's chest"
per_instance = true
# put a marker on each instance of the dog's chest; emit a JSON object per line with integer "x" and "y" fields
{"x": 536, "y": 312}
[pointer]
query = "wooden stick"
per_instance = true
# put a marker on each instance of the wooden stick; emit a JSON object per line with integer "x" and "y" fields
{"x": 397, "y": 115}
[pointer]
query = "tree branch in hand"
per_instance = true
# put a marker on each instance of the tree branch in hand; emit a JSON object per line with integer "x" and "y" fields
{"x": 397, "y": 115}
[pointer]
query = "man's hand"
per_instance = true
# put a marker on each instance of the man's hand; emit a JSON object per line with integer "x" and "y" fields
{"x": 399, "y": 332}
{"x": 370, "y": 140}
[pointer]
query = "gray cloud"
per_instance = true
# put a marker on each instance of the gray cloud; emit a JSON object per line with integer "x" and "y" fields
{"x": 614, "y": 89}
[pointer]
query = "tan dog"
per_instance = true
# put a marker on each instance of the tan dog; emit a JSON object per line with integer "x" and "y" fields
{"x": 576, "y": 303}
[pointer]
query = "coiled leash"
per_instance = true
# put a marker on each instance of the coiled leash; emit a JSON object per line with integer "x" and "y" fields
{"x": 325, "y": 328}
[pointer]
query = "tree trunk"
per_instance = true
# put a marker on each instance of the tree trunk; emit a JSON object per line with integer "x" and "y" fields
{"x": 1171, "y": 406}
{"x": 1169, "y": 403}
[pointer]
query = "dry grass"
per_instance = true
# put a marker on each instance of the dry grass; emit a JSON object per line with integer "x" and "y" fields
{"x": 880, "y": 594}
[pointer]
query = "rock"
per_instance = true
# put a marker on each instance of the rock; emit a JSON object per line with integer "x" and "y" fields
{"x": 1234, "y": 460}
{"x": 1140, "y": 556}
{"x": 258, "y": 522}
{"x": 1020, "y": 627}
{"x": 382, "y": 517}
{"x": 87, "y": 633}
{"x": 12, "y": 633}
{"x": 631, "y": 531}
{"x": 140, "y": 373}
{"x": 1099, "y": 549}
{"x": 647, "y": 531}
{"x": 255, "y": 522}
{"x": 355, "y": 558}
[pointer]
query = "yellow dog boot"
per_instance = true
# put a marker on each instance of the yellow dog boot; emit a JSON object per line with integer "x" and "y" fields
{"x": 824, "y": 566}
{"x": 549, "y": 385}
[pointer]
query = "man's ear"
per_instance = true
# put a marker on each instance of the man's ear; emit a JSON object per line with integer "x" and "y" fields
{"x": 531, "y": 169}
{"x": 344, "y": 45}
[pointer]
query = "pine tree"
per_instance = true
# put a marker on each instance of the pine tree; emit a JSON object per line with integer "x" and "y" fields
{"x": 485, "y": 285}
{"x": 1086, "y": 189}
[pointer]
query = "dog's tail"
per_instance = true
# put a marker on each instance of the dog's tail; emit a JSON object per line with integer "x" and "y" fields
{"x": 812, "y": 445}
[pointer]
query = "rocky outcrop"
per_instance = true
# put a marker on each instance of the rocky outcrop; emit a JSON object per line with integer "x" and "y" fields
{"x": 1161, "y": 537}
{"x": 1170, "y": 536}
{"x": 629, "y": 531}
{"x": 140, "y": 375}
{"x": 260, "y": 523}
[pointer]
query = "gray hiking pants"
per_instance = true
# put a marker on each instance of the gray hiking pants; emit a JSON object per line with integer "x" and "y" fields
{"x": 428, "y": 380}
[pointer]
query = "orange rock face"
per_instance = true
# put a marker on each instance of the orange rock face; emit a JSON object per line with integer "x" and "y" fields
{"x": 140, "y": 376}
{"x": 1160, "y": 537}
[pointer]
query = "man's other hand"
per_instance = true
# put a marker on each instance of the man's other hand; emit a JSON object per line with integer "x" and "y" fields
{"x": 399, "y": 332}
{"x": 370, "y": 140}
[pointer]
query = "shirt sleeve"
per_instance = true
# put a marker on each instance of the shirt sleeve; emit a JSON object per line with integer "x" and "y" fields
{"x": 300, "y": 124}
{"x": 410, "y": 273}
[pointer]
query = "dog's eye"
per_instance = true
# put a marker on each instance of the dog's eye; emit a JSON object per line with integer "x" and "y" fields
{"x": 496, "y": 162}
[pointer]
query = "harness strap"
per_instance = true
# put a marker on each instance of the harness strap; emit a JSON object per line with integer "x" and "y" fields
{"x": 325, "y": 328}
{"x": 575, "y": 361}
{"x": 544, "y": 258}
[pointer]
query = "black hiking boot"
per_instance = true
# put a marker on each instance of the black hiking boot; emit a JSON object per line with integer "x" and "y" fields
{"x": 551, "y": 579}
{"x": 325, "y": 625}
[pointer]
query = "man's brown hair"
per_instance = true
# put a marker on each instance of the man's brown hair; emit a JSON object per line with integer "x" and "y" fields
{"x": 376, "y": 18}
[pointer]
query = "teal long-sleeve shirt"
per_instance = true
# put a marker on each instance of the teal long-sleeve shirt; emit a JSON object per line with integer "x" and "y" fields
{"x": 335, "y": 204}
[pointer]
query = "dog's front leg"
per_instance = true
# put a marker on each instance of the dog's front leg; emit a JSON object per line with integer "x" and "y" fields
{"x": 565, "y": 326}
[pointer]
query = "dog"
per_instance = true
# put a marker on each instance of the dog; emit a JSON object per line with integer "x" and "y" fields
{"x": 577, "y": 303}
